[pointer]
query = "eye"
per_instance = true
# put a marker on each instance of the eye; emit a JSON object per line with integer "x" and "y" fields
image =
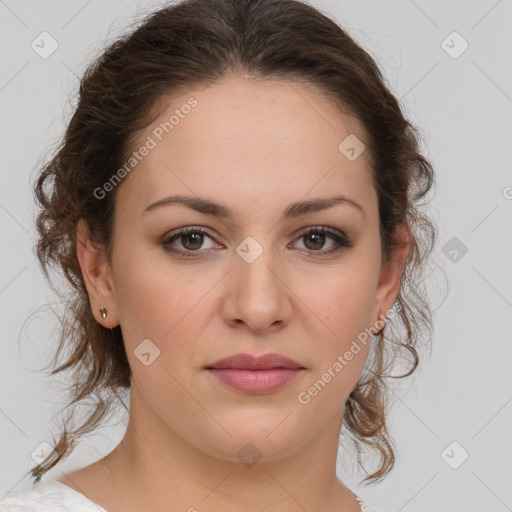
{"x": 316, "y": 237}
{"x": 192, "y": 238}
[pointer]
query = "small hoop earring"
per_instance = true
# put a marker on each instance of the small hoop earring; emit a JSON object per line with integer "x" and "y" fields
{"x": 103, "y": 313}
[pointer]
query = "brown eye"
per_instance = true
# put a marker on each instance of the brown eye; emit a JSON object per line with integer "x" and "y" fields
{"x": 191, "y": 240}
{"x": 315, "y": 240}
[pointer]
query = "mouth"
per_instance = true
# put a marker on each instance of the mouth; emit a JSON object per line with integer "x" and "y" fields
{"x": 253, "y": 374}
{"x": 250, "y": 362}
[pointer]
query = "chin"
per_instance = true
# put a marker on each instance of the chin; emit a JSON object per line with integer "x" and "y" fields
{"x": 252, "y": 436}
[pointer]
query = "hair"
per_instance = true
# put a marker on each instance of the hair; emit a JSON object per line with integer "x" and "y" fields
{"x": 198, "y": 42}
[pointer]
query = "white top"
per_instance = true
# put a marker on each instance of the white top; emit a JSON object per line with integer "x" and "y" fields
{"x": 54, "y": 496}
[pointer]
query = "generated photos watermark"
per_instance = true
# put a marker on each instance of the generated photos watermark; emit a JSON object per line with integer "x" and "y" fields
{"x": 304, "y": 397}
{"x": 150, "y": 143}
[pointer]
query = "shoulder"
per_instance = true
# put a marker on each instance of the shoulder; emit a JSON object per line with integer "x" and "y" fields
{"x": 364, "y": 506}
{"x": 46, "y": 496}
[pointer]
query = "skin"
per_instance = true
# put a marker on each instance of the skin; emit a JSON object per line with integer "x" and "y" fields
{"x": 256, "y": 147}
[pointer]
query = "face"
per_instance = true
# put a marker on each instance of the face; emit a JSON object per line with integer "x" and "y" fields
{"x": 265, "y": 278}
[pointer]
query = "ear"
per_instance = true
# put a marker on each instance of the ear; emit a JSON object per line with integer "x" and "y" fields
{"x": 97, "y": 276}
{"x": 391, "y": 275}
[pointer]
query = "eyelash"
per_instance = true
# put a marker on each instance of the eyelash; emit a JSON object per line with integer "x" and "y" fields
{"x": 341, "y": 240}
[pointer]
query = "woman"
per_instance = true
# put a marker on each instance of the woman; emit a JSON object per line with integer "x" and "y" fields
{"x": 236, "y": 205}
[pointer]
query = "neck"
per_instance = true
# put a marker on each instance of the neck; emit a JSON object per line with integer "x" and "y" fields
{"x": 153, "y": 468}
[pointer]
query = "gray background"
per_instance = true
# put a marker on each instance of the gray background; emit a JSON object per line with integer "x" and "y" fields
{"x": 463, "y": 107}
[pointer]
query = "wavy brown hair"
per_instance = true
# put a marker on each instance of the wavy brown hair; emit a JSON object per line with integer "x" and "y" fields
{"x": 198, "y": 42}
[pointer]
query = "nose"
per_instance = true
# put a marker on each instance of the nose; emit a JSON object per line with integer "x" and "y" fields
{"x": 257, "y": 294}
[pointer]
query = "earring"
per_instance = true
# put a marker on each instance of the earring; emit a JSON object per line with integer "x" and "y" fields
{"x": 103, "y": 313}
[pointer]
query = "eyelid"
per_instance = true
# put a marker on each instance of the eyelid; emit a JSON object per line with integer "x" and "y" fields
{"x": 340, "y": 238}
{"x": 177, "y": 233}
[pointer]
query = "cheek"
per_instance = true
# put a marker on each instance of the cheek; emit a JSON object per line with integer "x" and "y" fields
{"x": 345, "y": 301}
{"x": 150, "y": 299}
{"x": 341, "y": 308}
{"x": 162, "y": 302}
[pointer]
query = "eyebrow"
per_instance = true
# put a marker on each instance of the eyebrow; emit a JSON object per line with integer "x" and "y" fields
{"x": 209, "y": 207}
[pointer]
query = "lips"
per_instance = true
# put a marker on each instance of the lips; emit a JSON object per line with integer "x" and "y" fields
{"x": 250, "y": 362}
{"x": 255, "y": 375}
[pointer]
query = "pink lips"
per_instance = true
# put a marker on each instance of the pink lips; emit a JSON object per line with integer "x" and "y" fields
{"x": 253, "y": 374}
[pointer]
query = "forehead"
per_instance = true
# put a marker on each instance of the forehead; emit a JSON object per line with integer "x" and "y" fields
{"x": 245, "y": 138}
